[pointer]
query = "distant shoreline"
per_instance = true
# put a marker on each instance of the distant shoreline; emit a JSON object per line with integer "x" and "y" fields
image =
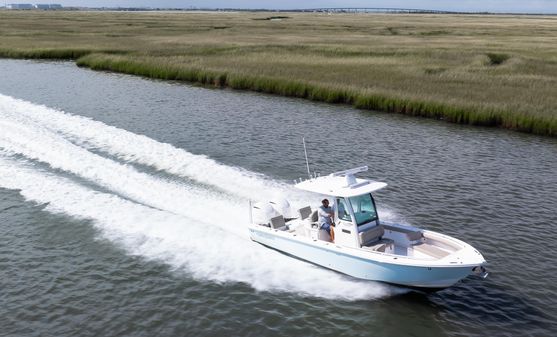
{"x": 332, "y": 10}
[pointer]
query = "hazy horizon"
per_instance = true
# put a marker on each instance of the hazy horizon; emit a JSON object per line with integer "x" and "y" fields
{"x": 513, "y": 6}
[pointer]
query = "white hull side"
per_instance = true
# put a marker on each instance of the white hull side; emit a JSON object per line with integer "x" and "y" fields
{"x": 368, "y": 269}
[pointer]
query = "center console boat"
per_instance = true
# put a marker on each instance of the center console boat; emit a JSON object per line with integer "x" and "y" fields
{"x": 364, "y": 246}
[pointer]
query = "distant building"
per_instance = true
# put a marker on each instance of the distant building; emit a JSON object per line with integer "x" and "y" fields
{"x": 48, "y": 6}
{"x": 19, "y": 6}
{"x": 31, "y": 6}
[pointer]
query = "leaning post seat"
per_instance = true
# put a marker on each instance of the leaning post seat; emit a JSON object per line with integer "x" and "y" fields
{"x": 313, "y": 218}
{"x": 310, "y": 225}
{"x": 304, "y": 212}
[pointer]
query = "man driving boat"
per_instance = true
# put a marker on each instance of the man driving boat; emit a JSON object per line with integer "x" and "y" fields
{"x": 326, "y": 216}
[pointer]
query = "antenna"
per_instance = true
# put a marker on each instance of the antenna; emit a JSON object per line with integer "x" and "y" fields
{"x": 306, "y": 153}
{"x": 250, "y": 212}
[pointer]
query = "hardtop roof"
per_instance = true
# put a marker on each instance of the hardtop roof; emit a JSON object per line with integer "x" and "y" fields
{"x": 340, "y": 186}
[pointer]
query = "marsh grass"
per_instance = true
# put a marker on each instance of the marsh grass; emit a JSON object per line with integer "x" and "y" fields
{"x": 452, "y": 68}
{"x": 496, "y": 59}
{"x": 54, "y": 54}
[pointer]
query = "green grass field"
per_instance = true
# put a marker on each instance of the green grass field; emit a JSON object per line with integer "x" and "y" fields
{"x": 490, "y": 70}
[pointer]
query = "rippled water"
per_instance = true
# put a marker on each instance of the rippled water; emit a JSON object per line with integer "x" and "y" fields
{"x": 123, "y": 205}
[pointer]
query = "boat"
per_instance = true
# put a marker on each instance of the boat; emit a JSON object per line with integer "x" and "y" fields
{"x": 364, "y": 246}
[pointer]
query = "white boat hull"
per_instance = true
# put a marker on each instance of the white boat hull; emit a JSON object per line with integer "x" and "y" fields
{"x": 341, "y": 260}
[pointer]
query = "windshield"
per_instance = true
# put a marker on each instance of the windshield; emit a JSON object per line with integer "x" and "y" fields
{"x": 364, "y": 209}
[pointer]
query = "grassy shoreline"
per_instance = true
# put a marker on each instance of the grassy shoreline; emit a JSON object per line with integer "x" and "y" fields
{"x": 491, "y": 88}
{"x": 300, "y": 89}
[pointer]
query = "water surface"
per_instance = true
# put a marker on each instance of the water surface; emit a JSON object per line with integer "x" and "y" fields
{"x": 131, "y": 221}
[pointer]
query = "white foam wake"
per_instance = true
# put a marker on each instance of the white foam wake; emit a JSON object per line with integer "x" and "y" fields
{"x": 183, "y": 225}
{"x": 34, "y": 142}
{"x": 140, "y": 149}
{"x": 206, "y": 251}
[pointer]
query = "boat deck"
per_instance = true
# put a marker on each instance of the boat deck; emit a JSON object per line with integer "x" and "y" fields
{"x": 396, "y": 240}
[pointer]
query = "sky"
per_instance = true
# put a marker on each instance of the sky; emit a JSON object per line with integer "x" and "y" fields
{"x": 530, "y": 6}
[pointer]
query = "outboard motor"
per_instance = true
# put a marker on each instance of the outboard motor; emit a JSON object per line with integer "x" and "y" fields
{"x": 263, "y": 212}
{"x": 282, "y": 206}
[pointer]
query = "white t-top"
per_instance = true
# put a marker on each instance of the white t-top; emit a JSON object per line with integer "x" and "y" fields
{"x": 339, "y": 186}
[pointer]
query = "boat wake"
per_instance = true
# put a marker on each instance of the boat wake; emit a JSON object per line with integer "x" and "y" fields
{"x": 156, "y": 201}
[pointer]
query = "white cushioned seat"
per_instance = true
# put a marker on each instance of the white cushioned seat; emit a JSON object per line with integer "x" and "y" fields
{"x": 371, "y": 235}
{"x": 431, "y": 250}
